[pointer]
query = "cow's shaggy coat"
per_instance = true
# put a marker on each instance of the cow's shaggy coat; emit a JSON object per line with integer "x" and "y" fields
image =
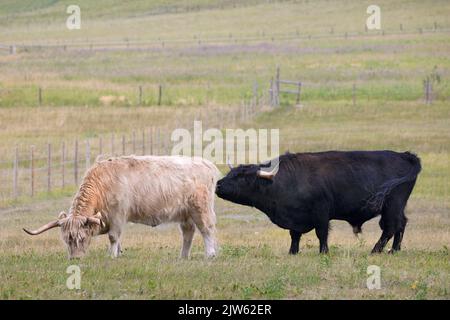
{"x": 142, "y": 189}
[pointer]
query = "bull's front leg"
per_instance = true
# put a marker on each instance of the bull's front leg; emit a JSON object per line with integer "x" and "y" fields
{"x": 295, "y": 241}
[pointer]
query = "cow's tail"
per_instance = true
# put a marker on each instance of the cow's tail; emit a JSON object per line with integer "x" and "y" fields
{"x": 376, "y": 201}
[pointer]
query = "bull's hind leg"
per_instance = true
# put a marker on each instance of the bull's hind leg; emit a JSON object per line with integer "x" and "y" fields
{"x": 384, "y": 239}
{"x": 295, "y": 241}
{"x": 322, "y": 234}
{"x": 188, "y": 229}
{"x": 393, "y": 220}
{"x": 398, "y": 236}
{"x": 389, "y": 224}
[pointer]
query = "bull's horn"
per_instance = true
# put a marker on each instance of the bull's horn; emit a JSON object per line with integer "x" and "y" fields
{"x": 229, "y": 163}
{"x": 44, "y": 228}
{"x": 268, "y": 174}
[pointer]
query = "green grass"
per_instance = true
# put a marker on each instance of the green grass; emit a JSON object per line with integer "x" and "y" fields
{"x": 213, "y": 53}
{"x": 253, "y": 263}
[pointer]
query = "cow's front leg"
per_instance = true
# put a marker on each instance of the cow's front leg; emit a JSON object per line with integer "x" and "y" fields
{"x": 295, "y": 241}
{"x": 188, "y": 230}
{"x": 114, "y": 239}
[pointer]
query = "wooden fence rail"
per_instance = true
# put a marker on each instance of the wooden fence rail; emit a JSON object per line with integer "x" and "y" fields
{"x": 275, "y": 89}
{"x": 56, "y": 166}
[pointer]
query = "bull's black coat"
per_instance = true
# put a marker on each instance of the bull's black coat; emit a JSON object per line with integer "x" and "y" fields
{"x": 310, "y": 189}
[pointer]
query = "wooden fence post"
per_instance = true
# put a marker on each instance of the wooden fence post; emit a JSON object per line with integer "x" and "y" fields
{"x": 134, "y": 141}
{"x": 100, "y": 145}
{"x": 272, "y": 95}
{"x": 143, "y": 142}
{"x": 430, "y": 91}
{"x": 32, "y": 171}
{"x": 123, "y": 145}
{"x": 75, "y": 163}
{"x": 151, "y": 140}
{"x": 277, "y": 85}
{"x": 159, "y": 95}
{"x": 255, "y": 93}
{"x": 354, "y": 94}
{"x": 40, "y": 96}
{"x": 63, "y": 160}
{"x": 299, "y": 91}
{"x": 427, "y": 91}
{"x": 49, "y": 168}
{"x": 16, "y": 172}
{"x": 158, "y": 142}
{"x": 88, "y": 155}
{"x": 163, "y": 142}
{"x": 112, "y": 145}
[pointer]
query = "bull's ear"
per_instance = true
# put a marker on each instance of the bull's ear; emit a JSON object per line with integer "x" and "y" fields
{"x": 62, "y": 215}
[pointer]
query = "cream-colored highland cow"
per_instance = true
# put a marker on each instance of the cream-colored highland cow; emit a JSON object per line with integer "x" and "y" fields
{"x": 143, "y": 189}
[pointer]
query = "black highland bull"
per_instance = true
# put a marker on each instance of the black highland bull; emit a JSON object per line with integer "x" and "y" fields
{"x": 310, "y": 189}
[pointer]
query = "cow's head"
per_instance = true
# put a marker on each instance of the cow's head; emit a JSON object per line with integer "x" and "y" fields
{"x": 76, "y": 231}
{"x": 244, "y": 183}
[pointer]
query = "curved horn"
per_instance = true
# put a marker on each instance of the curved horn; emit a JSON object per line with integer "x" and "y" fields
{"x": 44, "y": 228}
{"x": 268, "y": 174}
{"x": 229, "y": 163}
{"x": 97, "y": 219}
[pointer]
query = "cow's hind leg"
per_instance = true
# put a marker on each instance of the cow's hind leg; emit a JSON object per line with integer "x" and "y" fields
{"x": 188, "y": 229}
{"x": 295, "y": 241}
{"x": 205, "y": 224}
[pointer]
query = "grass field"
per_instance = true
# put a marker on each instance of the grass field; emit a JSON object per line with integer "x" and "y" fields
{"x": 213, "y": 53}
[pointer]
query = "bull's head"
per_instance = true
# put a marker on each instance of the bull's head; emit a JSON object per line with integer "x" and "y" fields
{"x": 243, "y": 183}
{"x": 76, "y": 231}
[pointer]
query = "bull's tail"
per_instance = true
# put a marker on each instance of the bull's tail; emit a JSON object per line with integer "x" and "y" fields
{"x": 376, "y": 201}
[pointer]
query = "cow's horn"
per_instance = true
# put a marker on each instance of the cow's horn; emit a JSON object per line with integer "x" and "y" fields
{"x": 229, "y": 163}
{"x": 44, "y": 228}
{"x": 268, "y": 174}
{"x": 97, "y": 219}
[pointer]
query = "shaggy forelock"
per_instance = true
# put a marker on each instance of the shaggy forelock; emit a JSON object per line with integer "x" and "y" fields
{"x": 75, "y": 229}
